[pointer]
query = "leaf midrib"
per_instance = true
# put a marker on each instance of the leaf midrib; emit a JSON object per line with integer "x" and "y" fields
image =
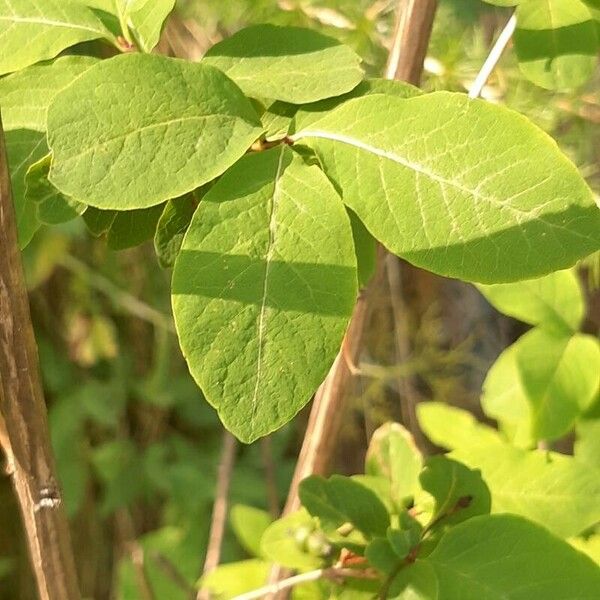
{"x": 265, "y": 292}
{"x": 416, "y": 167}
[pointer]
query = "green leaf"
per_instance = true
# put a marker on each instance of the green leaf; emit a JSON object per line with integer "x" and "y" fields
{"x": 417, "y": 582}
{"x": 400, "y": 542}
{"x": 26, "y": 95}
{"x": 249, "y": 525}
{"x": 170, "y": 230}
{"x": 229, "y": 580}
{"x": 340, "y": 500}
{"x": 366, "y": 250}
{"x": 504, "y": 399}
{"x": 458, "y": 492}
{"x": 98, "y": 221}
{"x": 504, "y": 556}
{"x": 587, "y": 445}
{"x": 131, "y": 228}
{"x": 287, "y": 63}
{"x": 52, "y": 207}
{"x": 589, "y": 546}
{"x": 551, "y": 489}
{"x": 452, "y": 427}
{"x": 560, "y": 377}
{"x": 555, "y": 300}
{"x": 540, "y": 385}
{"x": 460, "y": 187}
{"x": 147, "y": 18}
{"x": 263, "y": 289}
{"x": 136, "y": 130}
{"x": 556, "y": 42}
{"x": 36, "y": 30}
{"x": 24, "y": 148}
{"x": 310, "y": 113}
{"x": 280, "y": 544}
{"x": 393, "y": 454}
{"x": 279, "y": 118}
{"x": 382, "y": 556}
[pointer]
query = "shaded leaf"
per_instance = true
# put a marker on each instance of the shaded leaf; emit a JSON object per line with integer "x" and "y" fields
{"x": 499, "y": 556}
{"x": 263, "y": 289}
{"x": 340, "y": 500}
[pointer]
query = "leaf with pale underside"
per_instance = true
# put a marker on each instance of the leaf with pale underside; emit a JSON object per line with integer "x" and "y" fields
{"x": 499, "y": 557}
{"x": 52, "y": 208}
{"x": 460, "y": 187}
{"x": 26, "y": 95}
{"x": 136, "y": 130}
{"x": 540, "y": 385}
{"x": 287, "y": 63}
{"x": 552, "y": 489}
{"x": 263, "y": 289}
{"x": 555, "y": 300}
{"x": 556, "y": 42}
{"x": 36, "y": 30}
{"x": 452, "y": 427}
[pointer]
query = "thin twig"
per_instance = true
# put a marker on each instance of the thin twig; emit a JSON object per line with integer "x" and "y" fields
{"x": 493, "y": 58}
{"x": 219, "y": 514}
{"x": 28, "y": 448}
{"x": 333, "y": 573}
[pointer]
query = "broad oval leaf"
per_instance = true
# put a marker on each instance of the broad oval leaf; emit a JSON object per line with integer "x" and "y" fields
{"x": 560, "y": 376}
{"x": 555, "y": 300}
{"x": 541, "y": 384}
{"x": 287, "y": 63}
{"x": 36, "y": 30}
{"x": 556, "y": 42}
{"x": 263, "y": 289}
{"x": 26, "y": 95}
{"x": 460, "y": 187}
{"x": 549, "y": 488}
{"x": 504, "y": 556}
{"x": 136, "y": 130}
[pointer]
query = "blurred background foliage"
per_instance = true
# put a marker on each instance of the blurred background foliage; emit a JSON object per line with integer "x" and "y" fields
{"x": 137, "y": 447}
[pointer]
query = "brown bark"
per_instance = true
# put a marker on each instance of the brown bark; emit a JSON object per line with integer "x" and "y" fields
{"x": 415, "y": 19}
{"x": 26, "y": 440}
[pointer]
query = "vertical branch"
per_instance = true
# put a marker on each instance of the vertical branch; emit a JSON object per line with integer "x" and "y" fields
{"x": 411, "y": 39}
{"x": 405, "y": 62}
{"x": 29, "y": 454}
{"x": 219, "y": 514}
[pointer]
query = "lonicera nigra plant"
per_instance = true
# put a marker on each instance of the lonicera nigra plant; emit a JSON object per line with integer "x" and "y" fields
{"x": 266, "y": 173}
